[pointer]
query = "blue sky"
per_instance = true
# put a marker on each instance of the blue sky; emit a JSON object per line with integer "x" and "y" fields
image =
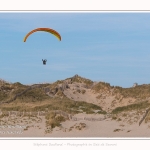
{"x": 109, "y": 47}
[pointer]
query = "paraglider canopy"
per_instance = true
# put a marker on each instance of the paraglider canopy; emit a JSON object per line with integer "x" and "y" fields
{"x": 49, "y": 30}
{"x": 44, "y": 61}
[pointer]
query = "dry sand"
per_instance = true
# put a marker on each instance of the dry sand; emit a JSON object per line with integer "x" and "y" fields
{"x": 106, "y": 101}
{"x": 71, "y": 128}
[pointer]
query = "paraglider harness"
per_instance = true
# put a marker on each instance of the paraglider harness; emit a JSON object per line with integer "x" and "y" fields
{"x": 44, "y": 61}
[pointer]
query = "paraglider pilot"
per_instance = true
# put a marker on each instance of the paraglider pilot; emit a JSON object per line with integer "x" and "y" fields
{"x": 44, "y": 61}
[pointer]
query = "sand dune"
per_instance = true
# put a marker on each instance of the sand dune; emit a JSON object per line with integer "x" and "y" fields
{"x": 80, "y": 128}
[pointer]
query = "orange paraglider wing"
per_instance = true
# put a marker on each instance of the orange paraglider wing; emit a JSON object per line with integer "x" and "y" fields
{"x": 55, "y": 33}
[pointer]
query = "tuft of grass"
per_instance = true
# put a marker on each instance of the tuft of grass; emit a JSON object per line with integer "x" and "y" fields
{"x": 52, "y": 120}
{"x": 140, "y": 91}
{"x": 114, "y": 117}
{"x": 80, "y": 79}
{"x": 83, "y": 91}
{"x": 117, "y": 130}
{"x": 101, "y": 86}
{"x": 78, "y": 90}
{"x": 136, "y": 106}
{"x": 119, "y": 119}
{"x": 147, "y": 119}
